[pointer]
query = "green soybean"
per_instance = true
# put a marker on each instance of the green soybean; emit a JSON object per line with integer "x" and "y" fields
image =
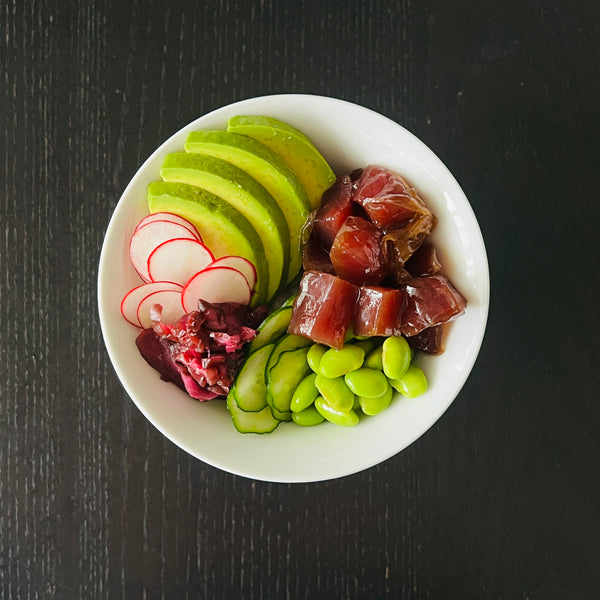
{"x": 339, "y": 417}
{"x": 315, "y": 352}
{"x": 335, "y": 392}
{"x": 366, "y": 382}
{"x": 309, "y": 417}
{"x": 395, "y": 356}
{"x": 412, "y": 384}
{"x": 367, "y": 344}
{"x": 304, "y": 394}
{"x": 335, "y": 363}
{"x": 373, "y": 359}
{"x": 373, "y": 406}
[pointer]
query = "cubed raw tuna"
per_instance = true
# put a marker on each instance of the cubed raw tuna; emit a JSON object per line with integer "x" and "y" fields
{"x": 324, "y": 308}
{"x": 356, "y": 252}
{"x": 431, "y": 300}
{"x": 379, "y": 311}
{"x": 315, "y": 257}
{"x": 399, "y": 245}
{"x": 424, "y": 261}
{"x": 387, "y": 198}
{"x": 336, "y": 207}
{"x": 430, "y": 340}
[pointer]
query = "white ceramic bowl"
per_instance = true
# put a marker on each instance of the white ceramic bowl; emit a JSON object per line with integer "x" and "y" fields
{"x": 349, "y": 136}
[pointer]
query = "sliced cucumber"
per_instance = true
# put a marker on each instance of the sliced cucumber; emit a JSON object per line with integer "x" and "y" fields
{"x": 289, "y": 301}
{"x": 280, "y": 415}
{"x": 250, "y": 388}
{"x": 286, "y": 343}
{"x": 262, "y": 421}
{"x": 283, "y": 378}
{"x": 272, "y": 328}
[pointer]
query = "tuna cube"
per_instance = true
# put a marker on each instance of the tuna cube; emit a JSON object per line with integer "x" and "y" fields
{"x": 378, "y": 311}
{"x": 324, "y": 308}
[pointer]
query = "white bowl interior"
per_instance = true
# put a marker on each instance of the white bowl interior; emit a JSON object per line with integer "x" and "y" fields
{"x": 349, "y": 136}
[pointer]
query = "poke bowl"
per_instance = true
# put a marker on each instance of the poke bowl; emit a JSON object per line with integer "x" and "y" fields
{"x": 349, "y": 137}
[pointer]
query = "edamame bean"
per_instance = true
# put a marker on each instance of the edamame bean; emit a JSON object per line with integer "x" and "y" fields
{"x": 335, "y": 363}
{"x": 373, "y": 406}
{"x": 373, "y": 359}
{"x": 308, "y": 417}
{"x": 313, "y": 358}
{"x": 366, "y": 382}
{"x": 304, "y": 394}
{"x": 345, "y": 418}
{"x": 335, "y": 392}
{"x": 413, "y": 383}
{"x": 395, "y": 356}
{"x": 367, "y": 344}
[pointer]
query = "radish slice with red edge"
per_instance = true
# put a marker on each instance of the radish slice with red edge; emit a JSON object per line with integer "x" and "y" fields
{"x": 132, "y": 299}
{"x": 171, "y": 217}
{"x": 216, "y": 284}
{"x": 178, "y": 260}
{"x": 145, "y": 239}
{"x": 170, "y": 300}
{"x": 241, "y": 264}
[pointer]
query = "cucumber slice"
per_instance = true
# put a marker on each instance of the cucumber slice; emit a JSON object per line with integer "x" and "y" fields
{"x": 280, "y": 415}
{"x": 289, "y": 301}
{"x": 272, "y": 328}
{"x": 286, "y": 343}
{"x": 262, "y": 421}
{"x": 283, "y": 378}
{"x": 250, "y": 388}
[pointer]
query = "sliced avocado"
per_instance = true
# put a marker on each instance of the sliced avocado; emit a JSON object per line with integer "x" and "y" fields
{"x": 270, "y": 170}
{"x": 246, "y": 195}
{"x": 223, "y": 228}
{"x": 294, "y": 147}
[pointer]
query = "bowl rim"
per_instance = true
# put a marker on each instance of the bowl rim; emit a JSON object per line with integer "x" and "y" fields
{"x": 252, "y": 103}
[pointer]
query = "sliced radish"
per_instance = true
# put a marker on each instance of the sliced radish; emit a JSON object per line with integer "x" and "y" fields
{"x": 132, "y": 299}
{"x": 239, "y": 263}
{"x": 216, "y": 284}
{"x": 145, "y": 239}
{"x": 173, "y": 218}
{"x": 178, "y": 259}
{"x": 170, "y": 300}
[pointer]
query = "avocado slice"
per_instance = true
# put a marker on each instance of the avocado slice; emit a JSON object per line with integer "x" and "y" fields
{"x": 243, "y": 193}
{"x": 270, "y": 170}
{"x": 223, "y": 228}
{"x": 294, "y": 147}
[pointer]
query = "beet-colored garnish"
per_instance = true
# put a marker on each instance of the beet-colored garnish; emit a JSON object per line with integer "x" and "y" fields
{"x": 203, "y": 351}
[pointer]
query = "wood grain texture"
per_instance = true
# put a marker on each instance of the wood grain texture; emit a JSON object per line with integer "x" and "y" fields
{"x": 498, "y": 500}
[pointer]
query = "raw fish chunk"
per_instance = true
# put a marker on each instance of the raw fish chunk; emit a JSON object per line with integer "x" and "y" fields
{"x": 398, "y": 245}
{"x": 336, "y": 207}
{"x": 388, "y": 199}
{"x": 324, "y": 308}
{"x": 356, "y": 252}
{"x": 315, "y": 257}
{"x": 379, "y": 311}
{"x": 431, "y": 300}
{"x": 424, "y": 261}
{"x": 429, "y": 340}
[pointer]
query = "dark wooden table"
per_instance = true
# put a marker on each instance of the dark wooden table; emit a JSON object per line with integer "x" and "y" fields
{"x": 500, "y": 499}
